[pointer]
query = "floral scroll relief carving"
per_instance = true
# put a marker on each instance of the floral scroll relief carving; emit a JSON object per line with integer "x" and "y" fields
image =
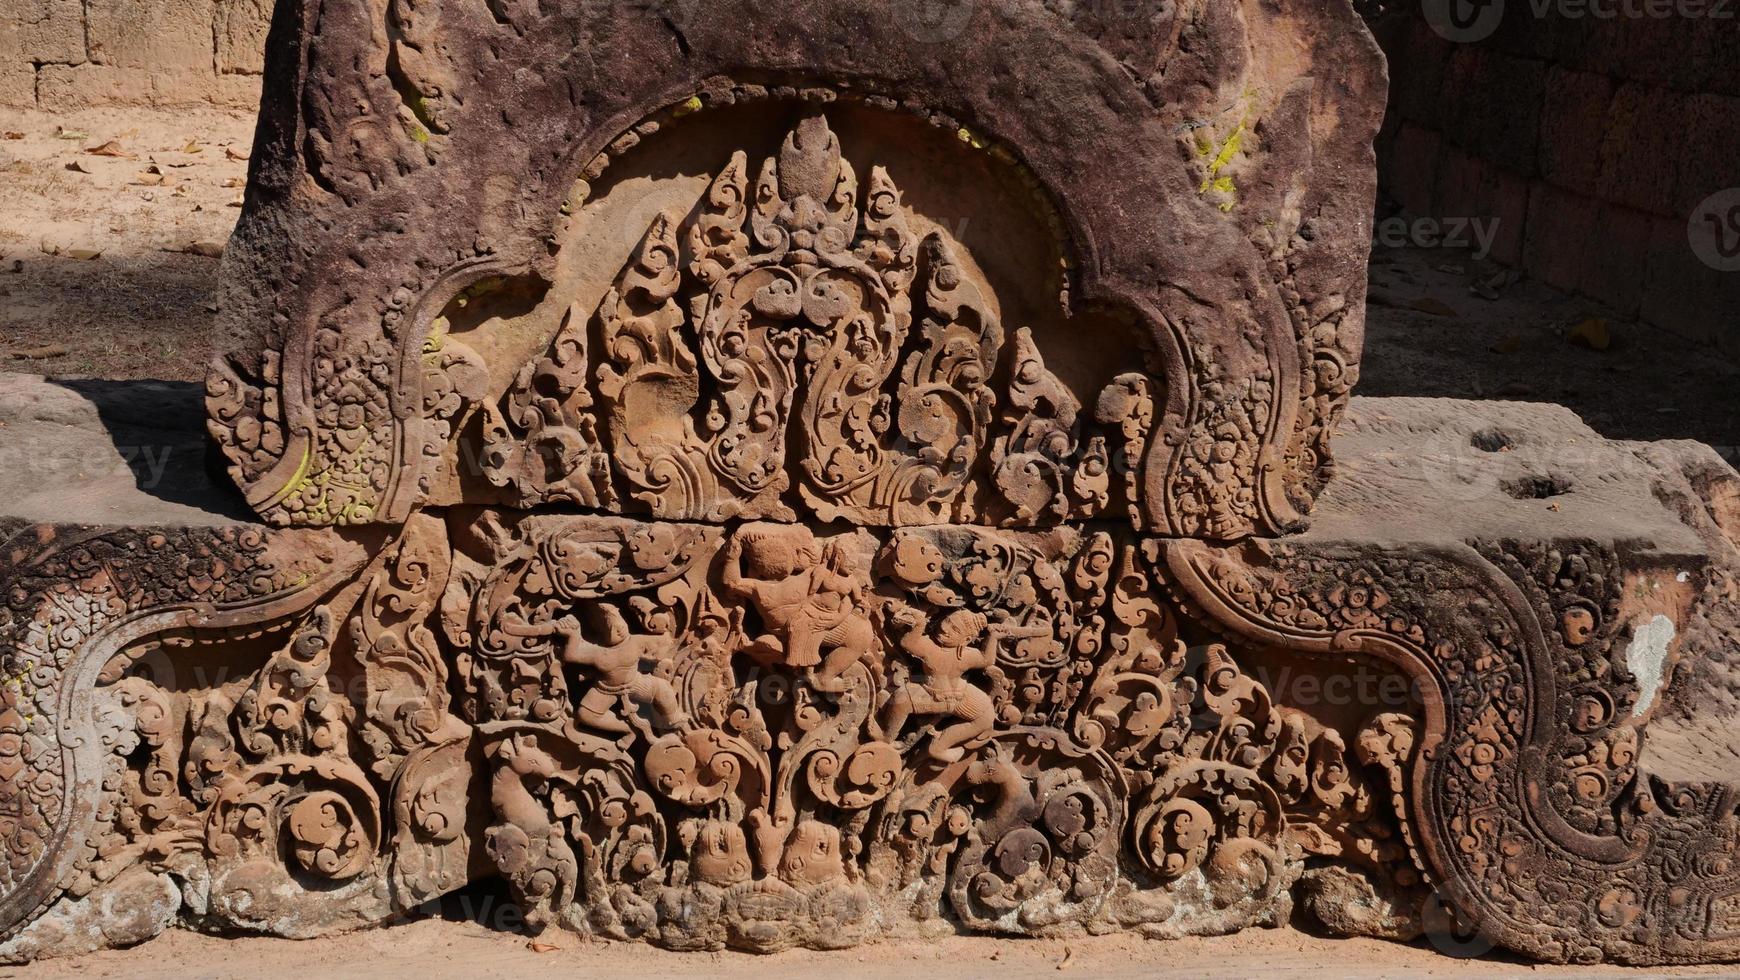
{"x": 801, "y": 607}
{"x": 767, "y": 735}
{"x": 267, "y": 729}
{"x": 757, "y": 735}
{"x": 796, "y": 347}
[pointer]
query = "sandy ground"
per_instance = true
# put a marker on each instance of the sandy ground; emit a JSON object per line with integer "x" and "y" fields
{"x": 106, "y": 269}
{"x": 100, "y": 267}
{"x": 437, "y": 948}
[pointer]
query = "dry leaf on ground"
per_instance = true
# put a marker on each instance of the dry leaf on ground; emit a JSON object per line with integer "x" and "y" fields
{"x": 39, "y": 353}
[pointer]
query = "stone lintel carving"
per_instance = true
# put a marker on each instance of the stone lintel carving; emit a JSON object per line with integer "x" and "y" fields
{"x": 673, "y": 509}
{"x": 787, "y": 350}
{"x": 766, "y": 733}
{"x": 1549, "y": 635}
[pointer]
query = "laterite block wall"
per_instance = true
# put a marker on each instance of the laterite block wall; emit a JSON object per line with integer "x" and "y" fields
{"x": 1596, "y": 143}
{"x": 72, "y": 54}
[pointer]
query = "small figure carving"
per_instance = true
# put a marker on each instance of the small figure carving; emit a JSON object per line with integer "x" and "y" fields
{"x": 943, "y": 687}
{"x": 617, "y": 662}
{"x": 810, "y": 599}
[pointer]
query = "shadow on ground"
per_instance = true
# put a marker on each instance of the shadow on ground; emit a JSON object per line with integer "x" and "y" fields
{"x": 133, "y": 316}
{"x": 1428, "y": 334}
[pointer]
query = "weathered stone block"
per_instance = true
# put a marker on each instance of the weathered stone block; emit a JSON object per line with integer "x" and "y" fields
{"x": 1644, "y": 138}
{"x": 1522, "y": 33}
{"x": 1720, "y": 59}
{"x": 1475, "y": 193}
{"x": 1708, "y": 144}
{"x": 1411, "y": 168}
{"x": 42, "y": 31}
{"x": 1460, "y": 178}
{"x": 1574, "y": 122}
{"x": 1617, "y": 259}
{"x": 237, "y": 91}
{"x": 18, "y": 85}
{"x": 1508, "y": 208}
{"x": 785, "y": 498}
{"x": 162, "y": 35}
{"x": 341, "y": 410}
{"x": 1552, "y": 600}
{"x": 64, "y": 87}
{"x": 1686, "y": 295}
{"x": 1497, "y": 112}
{"x": 1562, "y": 229}
{"x": 108, "y": 453}
{"x": 241, "y": 35}
{"x": 1672, "y": 51}
{"x": 770, "y": 734}
{"x": 1418, "y": 91}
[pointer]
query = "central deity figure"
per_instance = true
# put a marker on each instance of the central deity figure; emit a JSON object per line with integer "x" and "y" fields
{"x": 810, "y": 598}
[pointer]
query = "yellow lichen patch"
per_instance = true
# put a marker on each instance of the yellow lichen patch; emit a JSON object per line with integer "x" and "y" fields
{"x": 688, "y": 105}
{"x": 298, "y": 480}
{"x": 1219, "y": 154}
{"x": 437, "y": 336}
{"x": 425, "y": 114}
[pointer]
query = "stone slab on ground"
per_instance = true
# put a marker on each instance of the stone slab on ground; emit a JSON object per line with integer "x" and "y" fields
{"x": 1542, "y": 590}
{"x": 109, "y": 453}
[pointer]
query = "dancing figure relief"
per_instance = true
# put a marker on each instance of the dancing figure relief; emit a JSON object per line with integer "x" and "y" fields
{"x": 961, "y": 641}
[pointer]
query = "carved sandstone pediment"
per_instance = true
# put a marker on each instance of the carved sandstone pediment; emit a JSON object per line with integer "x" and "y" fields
{"x": 1200, "y": 191}
{"x": 794, "y": 347}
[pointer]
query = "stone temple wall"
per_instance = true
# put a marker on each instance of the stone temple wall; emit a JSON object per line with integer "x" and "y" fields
{"x": 72, "y": 54}
{"x": 1598, "y": 143}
